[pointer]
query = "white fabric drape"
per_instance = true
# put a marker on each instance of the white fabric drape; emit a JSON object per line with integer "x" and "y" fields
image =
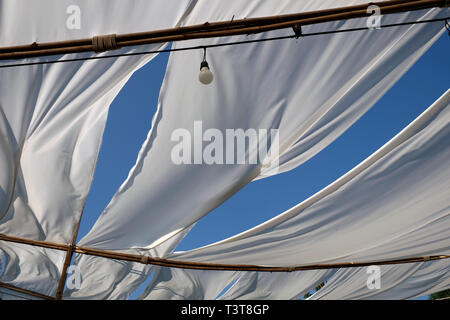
{"x": 312, "y": 90}
{"x": 396, "y": 282}
{"x": 114, "y": 279}
{"x": 52, "y": 116}
{"x": 6, "y": 294}
{"x": 32, "y": 268}
{"x": 393, "y": 205}
{"x": 276, "y": 286}
{"x": 170, "y": 284}
{"x": 179, "y": 284}
{"x": 411, "y": 211}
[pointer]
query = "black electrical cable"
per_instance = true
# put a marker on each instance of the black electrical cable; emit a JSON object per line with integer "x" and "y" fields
{"x": 202, "y": 47}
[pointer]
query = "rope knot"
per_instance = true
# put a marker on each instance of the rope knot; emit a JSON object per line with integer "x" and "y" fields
{"x": 144, "y": 259}
{"x": 104, "y": 43}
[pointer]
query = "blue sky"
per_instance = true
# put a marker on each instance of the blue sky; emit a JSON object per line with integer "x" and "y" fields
{"x": 132, "y": 111}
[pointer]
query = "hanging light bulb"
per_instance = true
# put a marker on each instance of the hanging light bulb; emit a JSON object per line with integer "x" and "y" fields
{"x": 205, "y": 76}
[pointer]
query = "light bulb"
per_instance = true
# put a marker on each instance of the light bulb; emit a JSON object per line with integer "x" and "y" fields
{"x": 205, "y": 76}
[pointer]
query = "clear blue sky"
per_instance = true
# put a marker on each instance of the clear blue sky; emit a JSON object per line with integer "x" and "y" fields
{"x": 132, "y": 111}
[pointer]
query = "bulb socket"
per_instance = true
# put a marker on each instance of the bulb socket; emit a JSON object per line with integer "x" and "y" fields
{"x": 204, "y": 64}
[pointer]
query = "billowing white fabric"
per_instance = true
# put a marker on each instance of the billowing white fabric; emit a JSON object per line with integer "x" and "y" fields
{"x": 276, "y": 286}
{"x": 6, "y": 294}
{"x": 52, "y": 116}
{"x": 396, "y": 282}
{"x": 53, "y": 133}
{"x": 110, "y": 279}
{"x": 32, "y": 268}
{"x": 393, "y": 205}
{"x": 422, "y": 145}
{"x": 311, "y": 89}
{"x": 179, "y": 284}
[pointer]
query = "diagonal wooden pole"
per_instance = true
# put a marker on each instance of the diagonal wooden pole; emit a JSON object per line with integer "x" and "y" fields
{"x": 67, "y": 260}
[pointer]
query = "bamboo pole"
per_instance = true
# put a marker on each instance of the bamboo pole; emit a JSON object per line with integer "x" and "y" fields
{"x": 211, "y": 266}
{"x": 195, "y": 28}
{"x": 219, "y": 29}
{"x": 68, "y": 259}
{"x": 243, "y": 267}
{"x": 186, "y": 264}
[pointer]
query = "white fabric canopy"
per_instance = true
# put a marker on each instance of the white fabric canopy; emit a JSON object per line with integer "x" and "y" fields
{"x": 6, "y": 294}
{"x": 52, "y": 119}
{"x": 115, "y": 279}
{"x": 276, "y": 286}
{"x": 420, "y": 150}
{"x": 170, "y": 284}
{"x": 396, "y": 282}
{"x": 179, "y": 284}
{"x": 32, "y": 268}
{"x": 393, "y": 205}
{"x": 312, "y": 90}
{"x": 52, "y": 116}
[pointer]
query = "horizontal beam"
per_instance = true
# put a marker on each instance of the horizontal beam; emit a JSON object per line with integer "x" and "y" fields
{"x": 242, "y": 267}
{"x": 209, "y": 266}
{"x": 215, "y": 29}
{"x": 36, "y": 243}
{"x": 192, "y": 265}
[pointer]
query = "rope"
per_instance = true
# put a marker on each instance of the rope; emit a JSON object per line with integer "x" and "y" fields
{"x": 104, "y": 43}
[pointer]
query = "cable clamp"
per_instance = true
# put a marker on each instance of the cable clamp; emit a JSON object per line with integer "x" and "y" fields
{"x": 297, "y": 30}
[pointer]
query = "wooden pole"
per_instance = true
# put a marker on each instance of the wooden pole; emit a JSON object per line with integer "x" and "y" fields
{"x": 186, "y": 264}
{"x": 68, "y": 259}
{"x": 236, "y": 267}
{"x": 194, "y": 28}
{"x": 218, "y": 29}
{"x": 211, "y": 266}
